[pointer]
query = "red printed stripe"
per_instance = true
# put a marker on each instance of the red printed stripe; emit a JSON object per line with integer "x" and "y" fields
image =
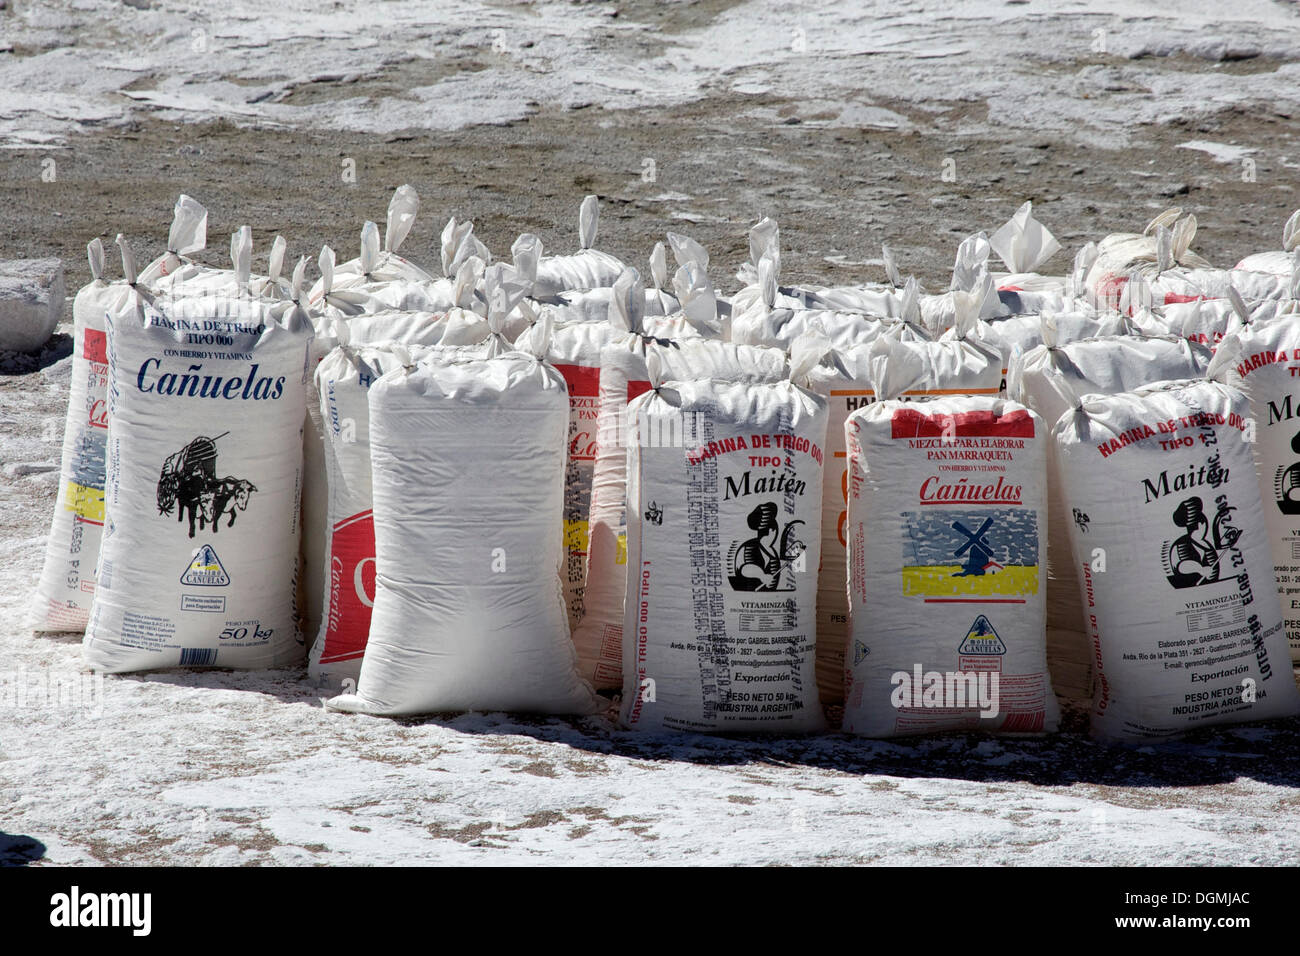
{"x": 910, "y": 423}
{"x": 582, "y": 379}
{"x": 94, "y": 346}
{"x": 636, "y": 388}
{"x": 352, "y": 588}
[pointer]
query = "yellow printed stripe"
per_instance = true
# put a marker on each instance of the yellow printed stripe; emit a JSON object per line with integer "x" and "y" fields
{"x": 575, "y": 536}
{"x": 85, "y": 502}
{"x": 621, "y": 557}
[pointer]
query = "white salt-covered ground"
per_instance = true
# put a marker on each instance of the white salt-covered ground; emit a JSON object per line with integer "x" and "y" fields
{"x": 1037, "y": 64}
{"x": 223, "y": 767}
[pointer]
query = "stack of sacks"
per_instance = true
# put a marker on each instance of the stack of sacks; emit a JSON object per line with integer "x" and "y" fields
{"x": 1161, "y": 255}
{"x": 1262, "y": 359}
{"x": 376, "y": 267}
{"x": 464, "y": 259}
{"x": 1019, "y": 333}
{"x": 947, "y": 607}
{"x": 575, "y": 348}
{"x": 198, "y": 562}
{"x": 238, "y": 280}
{"x": 1207, "y": 321}
{"x": 1172, "y": 545}
{"x": 765, "y": 321}
{"x": 1198, "y": 285}
{"x": 724, "y": 496}
{"x": 592, "y": 305}
{"x": 468, "y": 612}
{"x": 381, "y": 279}
{"x": 357, "y": 315}
{"x": 1050, "y": 379}
{"x": 623, "y": 376}
{"x": 846, "y": 378}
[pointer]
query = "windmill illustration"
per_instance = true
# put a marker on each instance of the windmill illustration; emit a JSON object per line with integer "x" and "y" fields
{"x": 978, "y": 551}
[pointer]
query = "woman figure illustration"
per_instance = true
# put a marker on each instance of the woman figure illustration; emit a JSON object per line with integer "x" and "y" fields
{"x": 757, "y": 564}
{"x": 1192, "y": 558}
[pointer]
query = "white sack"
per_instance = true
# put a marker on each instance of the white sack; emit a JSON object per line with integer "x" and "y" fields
{"x": 67, "y": 583}
{"x": 468, "y": 484}
{"x": 347, "y": 576}
{"x": 1262, "y": 361}
{"x": 846, "y": 379}
{"x": 947, "y": 516}
{"x": 1050, "y": 379}
{"x": 1184, "y": 619}
{"x": 200, "y": 552}
{"x": 722, "y": 552}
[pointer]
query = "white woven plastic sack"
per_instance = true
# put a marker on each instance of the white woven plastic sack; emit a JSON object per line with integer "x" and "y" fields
{"x": 343, "y": 381}
{"x": 1050, "y": 379}
{"x": 1171, "y": 544}
{"x": 67, "y": 583}
{"x": 766, "y": 323}
{"x": 1020, "y": 333}
{"x": 1023, "y": 244}
{"x": 192, "y": 279}
{"x": 847, "y": 380}
{"x": 468, "y": 470}
{"x": 623, "y": 376}
{"x": 1206, "y": 322}
{"x": 1282, "y": 261}
{"x": 453, "y": 327}
{"x": 875, "y": 298}
{"x": 1262, "y": 361}
{"x": 586, "y": 269}
{"x": 724, "y": 497}
{"x": 188, "y": 234}
{"x": 199, "y": 556}
{"x": 947, "y": 515}
{"x": 1160, "y": 254}
{"x": 376, "y": 265}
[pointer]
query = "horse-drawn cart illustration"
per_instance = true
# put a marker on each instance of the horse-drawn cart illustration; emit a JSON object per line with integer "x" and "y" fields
{"x": 189, "y": 485}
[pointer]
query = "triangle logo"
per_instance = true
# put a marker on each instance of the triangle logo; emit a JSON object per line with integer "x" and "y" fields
{"x": 982, "y": 639}
{"x": 860, "y": 652}
{"x": 205, "y": 570}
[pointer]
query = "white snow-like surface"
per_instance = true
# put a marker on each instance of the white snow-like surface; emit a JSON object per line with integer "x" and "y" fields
{"x": 1221, "y": 152}
{"x": 1084, "y": 69}
{"x": 186, "y": 767}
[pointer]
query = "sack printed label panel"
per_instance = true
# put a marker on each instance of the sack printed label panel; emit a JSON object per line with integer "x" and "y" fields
{"x": 959, "y": 556}
{"x": 352, "y": 588}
